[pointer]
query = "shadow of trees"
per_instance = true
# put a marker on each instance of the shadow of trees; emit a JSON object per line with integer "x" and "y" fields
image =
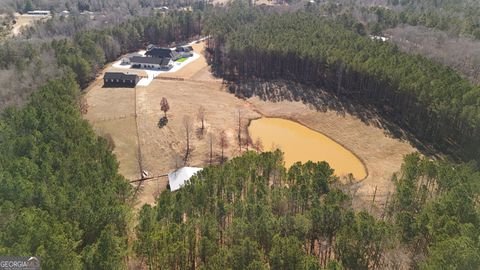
{"x": 322, "y": 100}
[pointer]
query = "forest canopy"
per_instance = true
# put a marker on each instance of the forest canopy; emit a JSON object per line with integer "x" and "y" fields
{"x": 61, "y": 196}
{"x": 427, "y": 99}
{"x": 252, "y": 213}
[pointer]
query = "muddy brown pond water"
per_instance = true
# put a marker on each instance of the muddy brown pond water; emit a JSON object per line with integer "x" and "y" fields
{"x": 300, "y": 143}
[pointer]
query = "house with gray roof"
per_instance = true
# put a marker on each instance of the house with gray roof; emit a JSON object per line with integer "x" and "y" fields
{"x": 120, "y": 79}
{"x": 158, "y": 52}
{"x": 151, "y": 63}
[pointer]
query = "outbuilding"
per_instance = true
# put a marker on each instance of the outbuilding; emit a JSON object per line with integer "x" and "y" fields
{"x": 180, "y": 177}
{"x": 185, "y": 51}
{"x": 65, "y": 13}
{"x": 120, "y": 79}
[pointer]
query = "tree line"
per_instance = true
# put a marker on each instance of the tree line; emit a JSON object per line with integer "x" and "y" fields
{"x": 25, "y": 64}
{"x": 76, "y": 6}
{"x": 88, "y": 51}
{"x": 61, "y": 196}
{"x": 439, "y": 30}
{"x": 252, "y": 213}
{"x": 429, "y": 100}
{"x": 435, "y": 213}
{"x": 455, "y": 17}
{"x": 459, "y": 20}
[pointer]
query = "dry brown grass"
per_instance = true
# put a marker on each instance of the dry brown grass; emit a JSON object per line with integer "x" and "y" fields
{"x": 112, "y": 111}
{"x": 23, "y": 20}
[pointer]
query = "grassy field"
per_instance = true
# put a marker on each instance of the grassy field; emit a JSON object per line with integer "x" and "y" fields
{"x": 112, "y": 111}
{"x": 24, "y": 20}
{"x": 180, "y": 60}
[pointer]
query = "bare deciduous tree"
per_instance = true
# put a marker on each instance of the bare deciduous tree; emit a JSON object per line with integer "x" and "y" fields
{"x": 211, "y": 139}
{"x": 239, "y": 131}
{"x": 188, "y": 126}
{"x": 177, "y": 159}
{"x": 111, "y": 142}
{"x": 223, "y": 142}
{"x": 258, "y": 145}
{"x": 201, "y": 117}
{"x": 246, "y": 142}
{"x": 164, "y": 106}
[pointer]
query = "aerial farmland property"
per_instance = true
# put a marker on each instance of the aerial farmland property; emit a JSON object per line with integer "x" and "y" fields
{"x": 116, "y": 112}
{"x": 268, "y": 134}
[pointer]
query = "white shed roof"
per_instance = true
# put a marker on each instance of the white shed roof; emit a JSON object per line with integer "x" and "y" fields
{"x": 178, "y": 178}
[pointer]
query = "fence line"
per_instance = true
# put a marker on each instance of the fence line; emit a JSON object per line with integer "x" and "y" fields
{"x": 113, "y": 118}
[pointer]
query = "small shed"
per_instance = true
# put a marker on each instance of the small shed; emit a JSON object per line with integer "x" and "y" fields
{"x": 180, "y": 177}
{"x": 65, "y": 13}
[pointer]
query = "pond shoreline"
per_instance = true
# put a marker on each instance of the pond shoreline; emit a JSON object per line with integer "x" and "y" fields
{"x": 328, "y": 141}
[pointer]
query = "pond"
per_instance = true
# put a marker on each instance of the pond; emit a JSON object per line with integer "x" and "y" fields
{"x": 300, "y": 143}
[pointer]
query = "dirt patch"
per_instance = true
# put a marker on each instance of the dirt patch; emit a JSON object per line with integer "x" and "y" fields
{"x": 197, "y": 70}
{"x": 112, "y": 111}
{"x": 24, "y": 20}
{"x": 125, "y": 145}
{"x": 163, "y": 149}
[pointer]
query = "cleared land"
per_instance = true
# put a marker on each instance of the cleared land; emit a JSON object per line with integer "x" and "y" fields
{"x": 112, "y": 111}
{"x": 25, "y": 20}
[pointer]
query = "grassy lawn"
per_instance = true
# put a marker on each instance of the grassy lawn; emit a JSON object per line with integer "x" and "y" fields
{"x": 180, "y": 60}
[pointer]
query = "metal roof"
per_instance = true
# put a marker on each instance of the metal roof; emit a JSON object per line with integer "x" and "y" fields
{"x": 161, "y": 52}
{"x": 119, "y": 76}
{"x": 150, "y": 60}
{"x": 180, "y": 177}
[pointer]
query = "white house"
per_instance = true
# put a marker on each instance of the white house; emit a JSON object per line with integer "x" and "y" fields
{"x": 180, "y": 177}
{"x": 151, "y": 63}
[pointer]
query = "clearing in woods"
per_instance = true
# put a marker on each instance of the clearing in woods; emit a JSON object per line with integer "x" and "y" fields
{"x": 112, "y": 112}
{"x": 24, "y": 20}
